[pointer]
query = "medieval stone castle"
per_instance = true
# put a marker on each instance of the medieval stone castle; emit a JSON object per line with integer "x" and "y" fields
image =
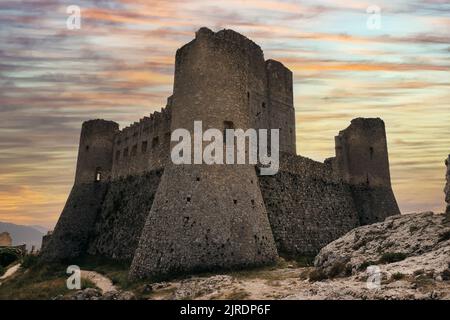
{"x": 130, "y": 202}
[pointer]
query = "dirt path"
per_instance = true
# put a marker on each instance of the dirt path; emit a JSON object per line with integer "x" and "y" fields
{"x": 12, "y": 270}
{"x": 102, "y": 282}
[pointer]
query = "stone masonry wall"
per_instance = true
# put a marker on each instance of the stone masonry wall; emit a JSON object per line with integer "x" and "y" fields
{"x": 362, "y": 160}
{"x": 143, "y": 146}
{"x": 75, "y": 227}
{"x": 123, "y": 213}
{"x": 308, "y": 206}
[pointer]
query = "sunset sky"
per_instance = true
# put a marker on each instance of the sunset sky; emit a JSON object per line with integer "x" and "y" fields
{"x": 119, "y": 66}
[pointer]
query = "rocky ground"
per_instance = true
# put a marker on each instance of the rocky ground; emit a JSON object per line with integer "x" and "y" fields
{"x": 404, "y": 257}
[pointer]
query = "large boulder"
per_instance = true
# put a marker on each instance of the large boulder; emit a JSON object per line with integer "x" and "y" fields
{"x": 406, "y": 244}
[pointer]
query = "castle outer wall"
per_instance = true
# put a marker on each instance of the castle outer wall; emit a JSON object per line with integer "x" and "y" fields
{"x": 129, "y": 202}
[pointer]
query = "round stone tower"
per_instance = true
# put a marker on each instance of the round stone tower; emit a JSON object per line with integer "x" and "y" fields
{"x": 76, "y": 223}
{"x": 208, "y": 217}
{"x": 95, "y": 151}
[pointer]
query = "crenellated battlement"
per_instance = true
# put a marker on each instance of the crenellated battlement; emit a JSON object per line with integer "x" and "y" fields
{"x": 142, "y": 146}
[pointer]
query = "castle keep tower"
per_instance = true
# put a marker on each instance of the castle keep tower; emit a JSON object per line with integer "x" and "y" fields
{"x": 74, "y": 228}
{"x": 362, "y": 160}
{"x": 209, "y": 216}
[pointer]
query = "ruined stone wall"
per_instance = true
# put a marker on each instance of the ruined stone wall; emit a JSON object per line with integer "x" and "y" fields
{"x": 75, "y": 227}
{"x": 143, "y": 146}
{"x": 361, "y": 153}
{"x": 121, "y": 219}
{"x": 362, "y": 160}
{"x": 308, "y": 205}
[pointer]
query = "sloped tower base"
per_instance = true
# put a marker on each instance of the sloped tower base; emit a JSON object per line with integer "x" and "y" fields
{"x": 203, "y": 220}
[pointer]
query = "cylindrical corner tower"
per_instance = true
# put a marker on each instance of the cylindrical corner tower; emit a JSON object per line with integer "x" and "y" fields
{"x": 76, "y": 223}
{"x": 209, "y": 216}
{"x": 95, "y": 151}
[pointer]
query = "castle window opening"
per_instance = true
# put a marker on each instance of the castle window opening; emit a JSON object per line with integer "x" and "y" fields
{"x": 263, "y": 105}
{"x": 155, "y": 142}
{"x": 117, "y": 155}
{"x": 87, "y": 148}
{"x": 125, "y": 153}
{"x": 188, "y": 199}
{"x": 235, "y": 201}
{"x": 371, "y": 153}
{"x": 144, "y": 147}
{"x": 98, "y": 174}
{"x": 134, "y": 150}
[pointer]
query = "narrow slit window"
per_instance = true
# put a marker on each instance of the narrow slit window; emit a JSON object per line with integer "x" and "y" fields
{"x": 134, "y": 150}
{"x": 98, "y": 174}
{"x": 144, "y": 146}
{"x": 155, "y": 142}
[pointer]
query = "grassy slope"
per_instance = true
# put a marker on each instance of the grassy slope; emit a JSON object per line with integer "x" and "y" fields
{"x": 37, "y": 281}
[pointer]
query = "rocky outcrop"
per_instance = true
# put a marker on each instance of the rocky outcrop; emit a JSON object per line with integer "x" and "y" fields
{"x": 407, "y": 244}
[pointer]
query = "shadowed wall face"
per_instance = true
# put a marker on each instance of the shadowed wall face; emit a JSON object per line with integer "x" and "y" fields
{"x": 362, "y": 160}
{"x": 308, "y": 205}
{"x": 361, "y": 153}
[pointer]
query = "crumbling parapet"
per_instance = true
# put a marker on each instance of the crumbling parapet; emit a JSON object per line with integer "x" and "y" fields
{"x": 361, "y": 153}
{"x": 362, "y": 160}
